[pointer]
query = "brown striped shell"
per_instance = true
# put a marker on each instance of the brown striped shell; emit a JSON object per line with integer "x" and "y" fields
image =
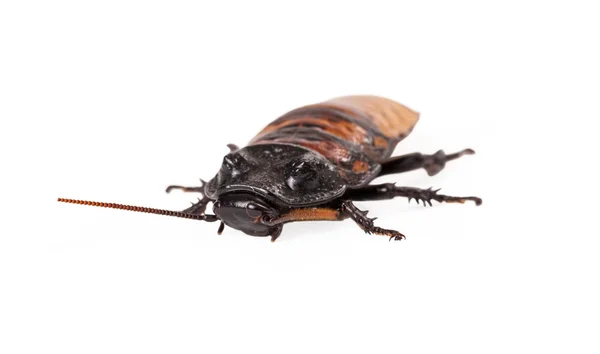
{"x": 355, "y": 133}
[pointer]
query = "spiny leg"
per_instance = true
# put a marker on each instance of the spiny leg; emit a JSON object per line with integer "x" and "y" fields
{"x": 199, "y": 207}
{"x": 433, "y": 164}
{"x": 390, "y": 190}
{"x": 365, "y": 223}
{"x": 345, "y": 210}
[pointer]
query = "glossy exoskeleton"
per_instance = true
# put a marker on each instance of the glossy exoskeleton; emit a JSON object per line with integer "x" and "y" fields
{"x": 312, "y": 163}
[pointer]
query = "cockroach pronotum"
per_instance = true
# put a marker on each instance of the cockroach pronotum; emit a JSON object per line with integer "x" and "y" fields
{"x": 312, "y": 164}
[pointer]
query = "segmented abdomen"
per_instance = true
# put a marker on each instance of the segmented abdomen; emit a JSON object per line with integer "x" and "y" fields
{"x": 354, "y": 132}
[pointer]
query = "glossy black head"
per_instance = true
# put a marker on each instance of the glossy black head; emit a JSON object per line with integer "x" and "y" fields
{"x": 285, "y": 175}
{"x": 244, "y": 211}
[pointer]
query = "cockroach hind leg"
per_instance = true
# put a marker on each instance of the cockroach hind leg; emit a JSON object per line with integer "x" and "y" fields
{"x": 429, "y": 194}
{"x": 436, "y": 162}
{"x": 432, "y": 164}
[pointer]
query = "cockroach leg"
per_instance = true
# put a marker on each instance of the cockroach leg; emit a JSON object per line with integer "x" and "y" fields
{"x": 276, "y": 233}
{"x": 390, "y": 190}
{"x": 365, "y": 223}
{"x": 433, "y": 164}
{"x": 199, "y": 189}
{"x": 303, "y": 214}
{"x": 199, "y": 207}
{"x": 346, "y": 210}
{"x": 299, "y": 214}
{"x": 185, "y": 189}
{"x": 221, "y": 228}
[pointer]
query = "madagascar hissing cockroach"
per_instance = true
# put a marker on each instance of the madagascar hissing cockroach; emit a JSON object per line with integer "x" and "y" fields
{"x": 311, "y": 164}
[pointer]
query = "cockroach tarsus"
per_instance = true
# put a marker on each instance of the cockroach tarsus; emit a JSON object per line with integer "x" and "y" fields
{"x": 312, "y": 164}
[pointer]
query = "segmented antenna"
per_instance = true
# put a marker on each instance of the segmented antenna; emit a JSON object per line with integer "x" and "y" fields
{"x": 139, "y": 209}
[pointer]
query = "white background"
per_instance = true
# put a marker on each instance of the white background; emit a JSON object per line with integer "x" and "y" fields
{"x": 114, "y": 100}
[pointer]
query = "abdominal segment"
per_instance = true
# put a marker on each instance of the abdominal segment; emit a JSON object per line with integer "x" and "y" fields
{"x": 355, "y": 133}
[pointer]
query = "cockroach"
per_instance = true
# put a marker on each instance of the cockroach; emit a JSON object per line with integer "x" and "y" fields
{"x": 312, "y": 164}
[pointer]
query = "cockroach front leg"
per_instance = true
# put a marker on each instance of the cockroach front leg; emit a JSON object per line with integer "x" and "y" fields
{"x": 390, "y": 190}
{"x": 199, "y": 189}
{"x": 200, "y": 206}
{"x": 348, "y": 209}
{"x": 433, "y": 164}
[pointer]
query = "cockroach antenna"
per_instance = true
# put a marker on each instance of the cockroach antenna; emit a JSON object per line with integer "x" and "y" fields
{"x": 178, "y": 214}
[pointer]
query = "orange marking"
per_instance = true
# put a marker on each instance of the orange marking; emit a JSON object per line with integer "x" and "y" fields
{"x": 360, "y": 167}
{"x": 461, "y": 201}
{"x": 380, "y": 142}
{"x": 308, "y": 214}
{"x": 392, "y": 118}
{"x": 342, "y": 129}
